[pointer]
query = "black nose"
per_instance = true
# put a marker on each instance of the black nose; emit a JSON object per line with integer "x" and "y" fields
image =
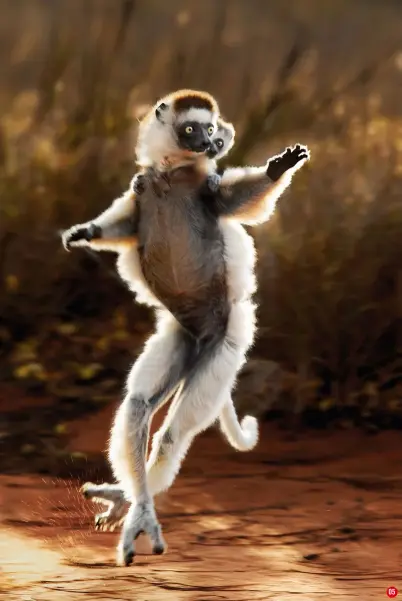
{"x": 205, "y": 144}
{"x": 212, "y": 151}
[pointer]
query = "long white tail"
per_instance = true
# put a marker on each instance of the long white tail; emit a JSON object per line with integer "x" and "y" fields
{"x": 242, "y": 436}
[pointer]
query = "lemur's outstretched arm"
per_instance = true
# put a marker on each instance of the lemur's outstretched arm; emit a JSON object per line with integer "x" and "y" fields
{"x": 114, "y": 228}
{"x": 249, "y": 194}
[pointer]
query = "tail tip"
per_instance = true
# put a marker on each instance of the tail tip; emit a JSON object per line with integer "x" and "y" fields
{"x": 249, "y": 425}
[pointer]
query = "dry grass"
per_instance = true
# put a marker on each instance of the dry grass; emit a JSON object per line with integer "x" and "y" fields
{"x": 329, "y": 268}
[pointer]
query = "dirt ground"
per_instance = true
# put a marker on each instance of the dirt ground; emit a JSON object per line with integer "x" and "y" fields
{"x": 314, "y": 515}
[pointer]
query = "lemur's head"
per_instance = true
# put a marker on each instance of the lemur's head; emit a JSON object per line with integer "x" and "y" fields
{"x": 222, "y": 140}
{"x": 178, "y": 128}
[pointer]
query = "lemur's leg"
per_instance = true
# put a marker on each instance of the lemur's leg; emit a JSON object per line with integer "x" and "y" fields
{"x": 241, "y": 436}
{"x": 224, "y": 365}
{"x": 193, "y": 410}
{"x": 154, "y": 377}
{"x": 152, "y": 380}
{"x": 199, "y": 403}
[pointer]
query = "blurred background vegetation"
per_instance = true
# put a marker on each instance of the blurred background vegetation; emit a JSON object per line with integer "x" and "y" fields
{"x": 75, "y": 76}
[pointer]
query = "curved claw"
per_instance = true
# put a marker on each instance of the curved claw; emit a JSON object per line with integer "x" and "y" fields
{"x": 129, "y": 557}
{"x": 112, "y": 518}
{"x": 66, "y": 242}
{"x": 98, "y": 521}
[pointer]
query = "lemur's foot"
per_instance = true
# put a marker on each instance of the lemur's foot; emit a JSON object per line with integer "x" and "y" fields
{"x": 212, "y": 182}
{"x": 111, "y": 495}
{"x": 141, "y": 518}
{"x": 78, "y": 233}
{"x": 139, "y": 184}
{"x": 111, "y": 518}
{"x": 290, "y": 158}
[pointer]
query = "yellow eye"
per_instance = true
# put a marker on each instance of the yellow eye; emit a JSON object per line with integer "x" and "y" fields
{"x": 210, "y": 130}
{"x": 189, "y": 129}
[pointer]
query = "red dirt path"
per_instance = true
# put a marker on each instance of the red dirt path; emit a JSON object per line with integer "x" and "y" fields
{"x": 316, "y": 517}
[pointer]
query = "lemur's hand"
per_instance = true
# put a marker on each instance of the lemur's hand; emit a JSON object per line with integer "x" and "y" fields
{"x": 212, "y": 183}
{"x": 287, "y": 160}
{"x": 80, "y": 232}
{"x": 139, "y": 184}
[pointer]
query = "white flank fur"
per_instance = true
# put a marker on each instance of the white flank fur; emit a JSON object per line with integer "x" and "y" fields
{"x": 240, "y": 258}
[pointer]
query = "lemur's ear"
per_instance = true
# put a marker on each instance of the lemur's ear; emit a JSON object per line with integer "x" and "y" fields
{"x": 159, "y": 110}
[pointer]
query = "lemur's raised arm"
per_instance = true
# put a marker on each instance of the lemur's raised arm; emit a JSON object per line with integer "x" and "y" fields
{"x": 249, "y": 194}
{"x": 113, "y": 229}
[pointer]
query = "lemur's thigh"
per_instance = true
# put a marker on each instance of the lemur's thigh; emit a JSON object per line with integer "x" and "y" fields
{"x": 199, "y": 403}
{"x": 157, "y": 371}
{"x": 193, "y": 410}
{"x": 163, "y": 361}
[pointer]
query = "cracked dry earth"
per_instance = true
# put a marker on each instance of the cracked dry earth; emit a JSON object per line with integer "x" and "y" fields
{"x": 312, "y": 516}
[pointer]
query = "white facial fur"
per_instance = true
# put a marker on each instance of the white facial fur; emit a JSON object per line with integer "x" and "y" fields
{"x": 199, "y": 115}
{"x": 156, "y": 139}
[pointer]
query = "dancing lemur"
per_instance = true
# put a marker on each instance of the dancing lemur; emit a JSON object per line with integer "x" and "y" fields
{"x": 202, "y": 338}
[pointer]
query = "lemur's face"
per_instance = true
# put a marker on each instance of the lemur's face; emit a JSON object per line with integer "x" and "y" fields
{"x": 217, "y": 148}
{"x": 193, "y": 122}
{"x": 222, "y": 140}
{"x": 194, "y": 135}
